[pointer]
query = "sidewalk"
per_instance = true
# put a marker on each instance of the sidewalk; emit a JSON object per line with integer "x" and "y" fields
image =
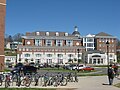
{"x": 85, "y": 83}
{"x": 94, "y": 83}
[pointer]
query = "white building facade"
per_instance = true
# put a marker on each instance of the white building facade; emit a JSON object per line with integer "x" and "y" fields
{"x": 89, "y": 42}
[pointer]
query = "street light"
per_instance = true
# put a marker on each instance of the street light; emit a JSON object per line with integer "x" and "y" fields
{"x": 107, "y": 43}
{"x": 16, "y": 56}
{"x": 78, "y": 50}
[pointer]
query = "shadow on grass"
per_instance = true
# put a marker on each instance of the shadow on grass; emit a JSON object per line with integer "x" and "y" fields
{"x": 117, "y": 85}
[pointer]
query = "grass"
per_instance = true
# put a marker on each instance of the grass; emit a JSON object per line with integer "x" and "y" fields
{"x": 7, "y": 70}
{"x": 117, "y": 85}
{"x": 100, "y": 66}
{"x": 56, "y": 70}
{"x": 80, "y": 73}
{"x": 64, "y": 70}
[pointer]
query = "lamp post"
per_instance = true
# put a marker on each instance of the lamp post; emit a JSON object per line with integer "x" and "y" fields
{"x": 78, "y": 50}
{"x": 107, "y": 43}
{"x": 71, "y": 58}
{"x": 16, "y": 56}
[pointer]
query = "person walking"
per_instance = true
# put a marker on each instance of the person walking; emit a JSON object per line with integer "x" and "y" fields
{"x": 111, "y": 74}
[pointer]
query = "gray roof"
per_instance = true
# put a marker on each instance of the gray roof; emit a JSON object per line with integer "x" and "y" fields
{"x": 75, "y": 32}
{"x": 52, "y": 37}
{"x": 53, "y": 47}
{"x": 104, "y": 35}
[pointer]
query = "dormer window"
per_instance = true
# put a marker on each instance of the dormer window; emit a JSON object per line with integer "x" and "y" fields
{"x": 57, "y": 34}
{"x": 37, "y": 33}
{"x": 66, "y": 34}
{"x": 47, "y": 33}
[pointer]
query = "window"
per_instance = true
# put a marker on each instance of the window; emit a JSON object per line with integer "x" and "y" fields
{"x": 59, "y": 42}
{"x": 60, "y": 55}
{"x": 112, "y": 50}
{"x": 60, "y": 61}
{"x": 90, "y": 62}
{"x": 90, "y": 39}
{"x": 38, "y": 55}
{"x": 69, "y": 42}
{"x": 37, "y": 33}
{"x": 37, "y": 61}
{"x": 47, "y": 33}
{"x": 49, "y": 61}
{"x": 90, "y": 49}
{"x": 112, "y": 40}
{"x": 94, "y": 61}
{"x": 111, "y": 55}
{"x": 57, "y": 34}
{"x": 101, "y": 60}
{"x": 27, "y": 55}
{"x": 48, "y": 42}
{"x": 98, "y": 61}
{"x": 23, "y": 49}
{"x": 90, "y": 44}
{"x": 85, "y": 39}
{"x": 38, "y": 42}
{"x": 27, "y": 49}
{"x": 49, "y": 55}
{"x": 70, "y": 55}
{"x": 66, "y": 34}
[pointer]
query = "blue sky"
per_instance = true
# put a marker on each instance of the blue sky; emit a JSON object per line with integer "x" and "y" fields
{"x": 91, "y": 16}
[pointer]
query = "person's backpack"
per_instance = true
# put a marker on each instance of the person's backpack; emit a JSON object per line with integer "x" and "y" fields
{"x": 111, "y": 72}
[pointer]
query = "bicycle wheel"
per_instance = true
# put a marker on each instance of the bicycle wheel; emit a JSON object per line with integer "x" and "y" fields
{"x": 22, "y": 82}
{"x": 2, "y": 77}
{"x": 64, "y": 82}
{"x": 1, "y": 82}
{"x": 27, "y": 82}
{"x": 7, "y": 84}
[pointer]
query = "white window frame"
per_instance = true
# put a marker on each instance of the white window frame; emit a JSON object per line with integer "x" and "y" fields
{"x": 48, "y": 42}
{"x": 59, "y": 42}
{"x": 38, "y": 42}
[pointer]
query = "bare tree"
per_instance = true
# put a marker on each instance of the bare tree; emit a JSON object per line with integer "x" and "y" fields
{"x": 18, "y": 37}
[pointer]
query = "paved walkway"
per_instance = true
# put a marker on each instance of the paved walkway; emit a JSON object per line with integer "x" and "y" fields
{"x": 94, "y": 83}
{"x": 90, "y": 83}
{"x": 86, "y": 83}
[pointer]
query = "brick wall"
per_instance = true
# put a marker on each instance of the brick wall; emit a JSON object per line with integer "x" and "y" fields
{"x": 2, "y": 30}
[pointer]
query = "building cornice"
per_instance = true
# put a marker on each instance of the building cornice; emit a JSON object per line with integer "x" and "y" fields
{"x": 54, "y": 47}
{"x": 51, "y": 37}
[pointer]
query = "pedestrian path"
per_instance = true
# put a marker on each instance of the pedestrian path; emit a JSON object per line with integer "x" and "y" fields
{"x": 85, "y": 83}
{"x": 94, "y": 83}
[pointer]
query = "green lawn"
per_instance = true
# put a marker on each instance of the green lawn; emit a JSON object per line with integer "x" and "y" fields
{"x": 117, "y": 85}
{"x": 56, "y": 69}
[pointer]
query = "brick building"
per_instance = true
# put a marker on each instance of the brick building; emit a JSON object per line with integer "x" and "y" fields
{"x": 96, "y": 49}
{"x": 50, "y": 47}
{"x": 101, "y": 39}
{"x": 2, "y": 29}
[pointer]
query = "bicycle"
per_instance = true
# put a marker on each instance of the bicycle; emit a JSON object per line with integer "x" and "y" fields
{"x": 26, "y": 81}
{"x": 1, "y": 79}
{"x": 7, "y": 81}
